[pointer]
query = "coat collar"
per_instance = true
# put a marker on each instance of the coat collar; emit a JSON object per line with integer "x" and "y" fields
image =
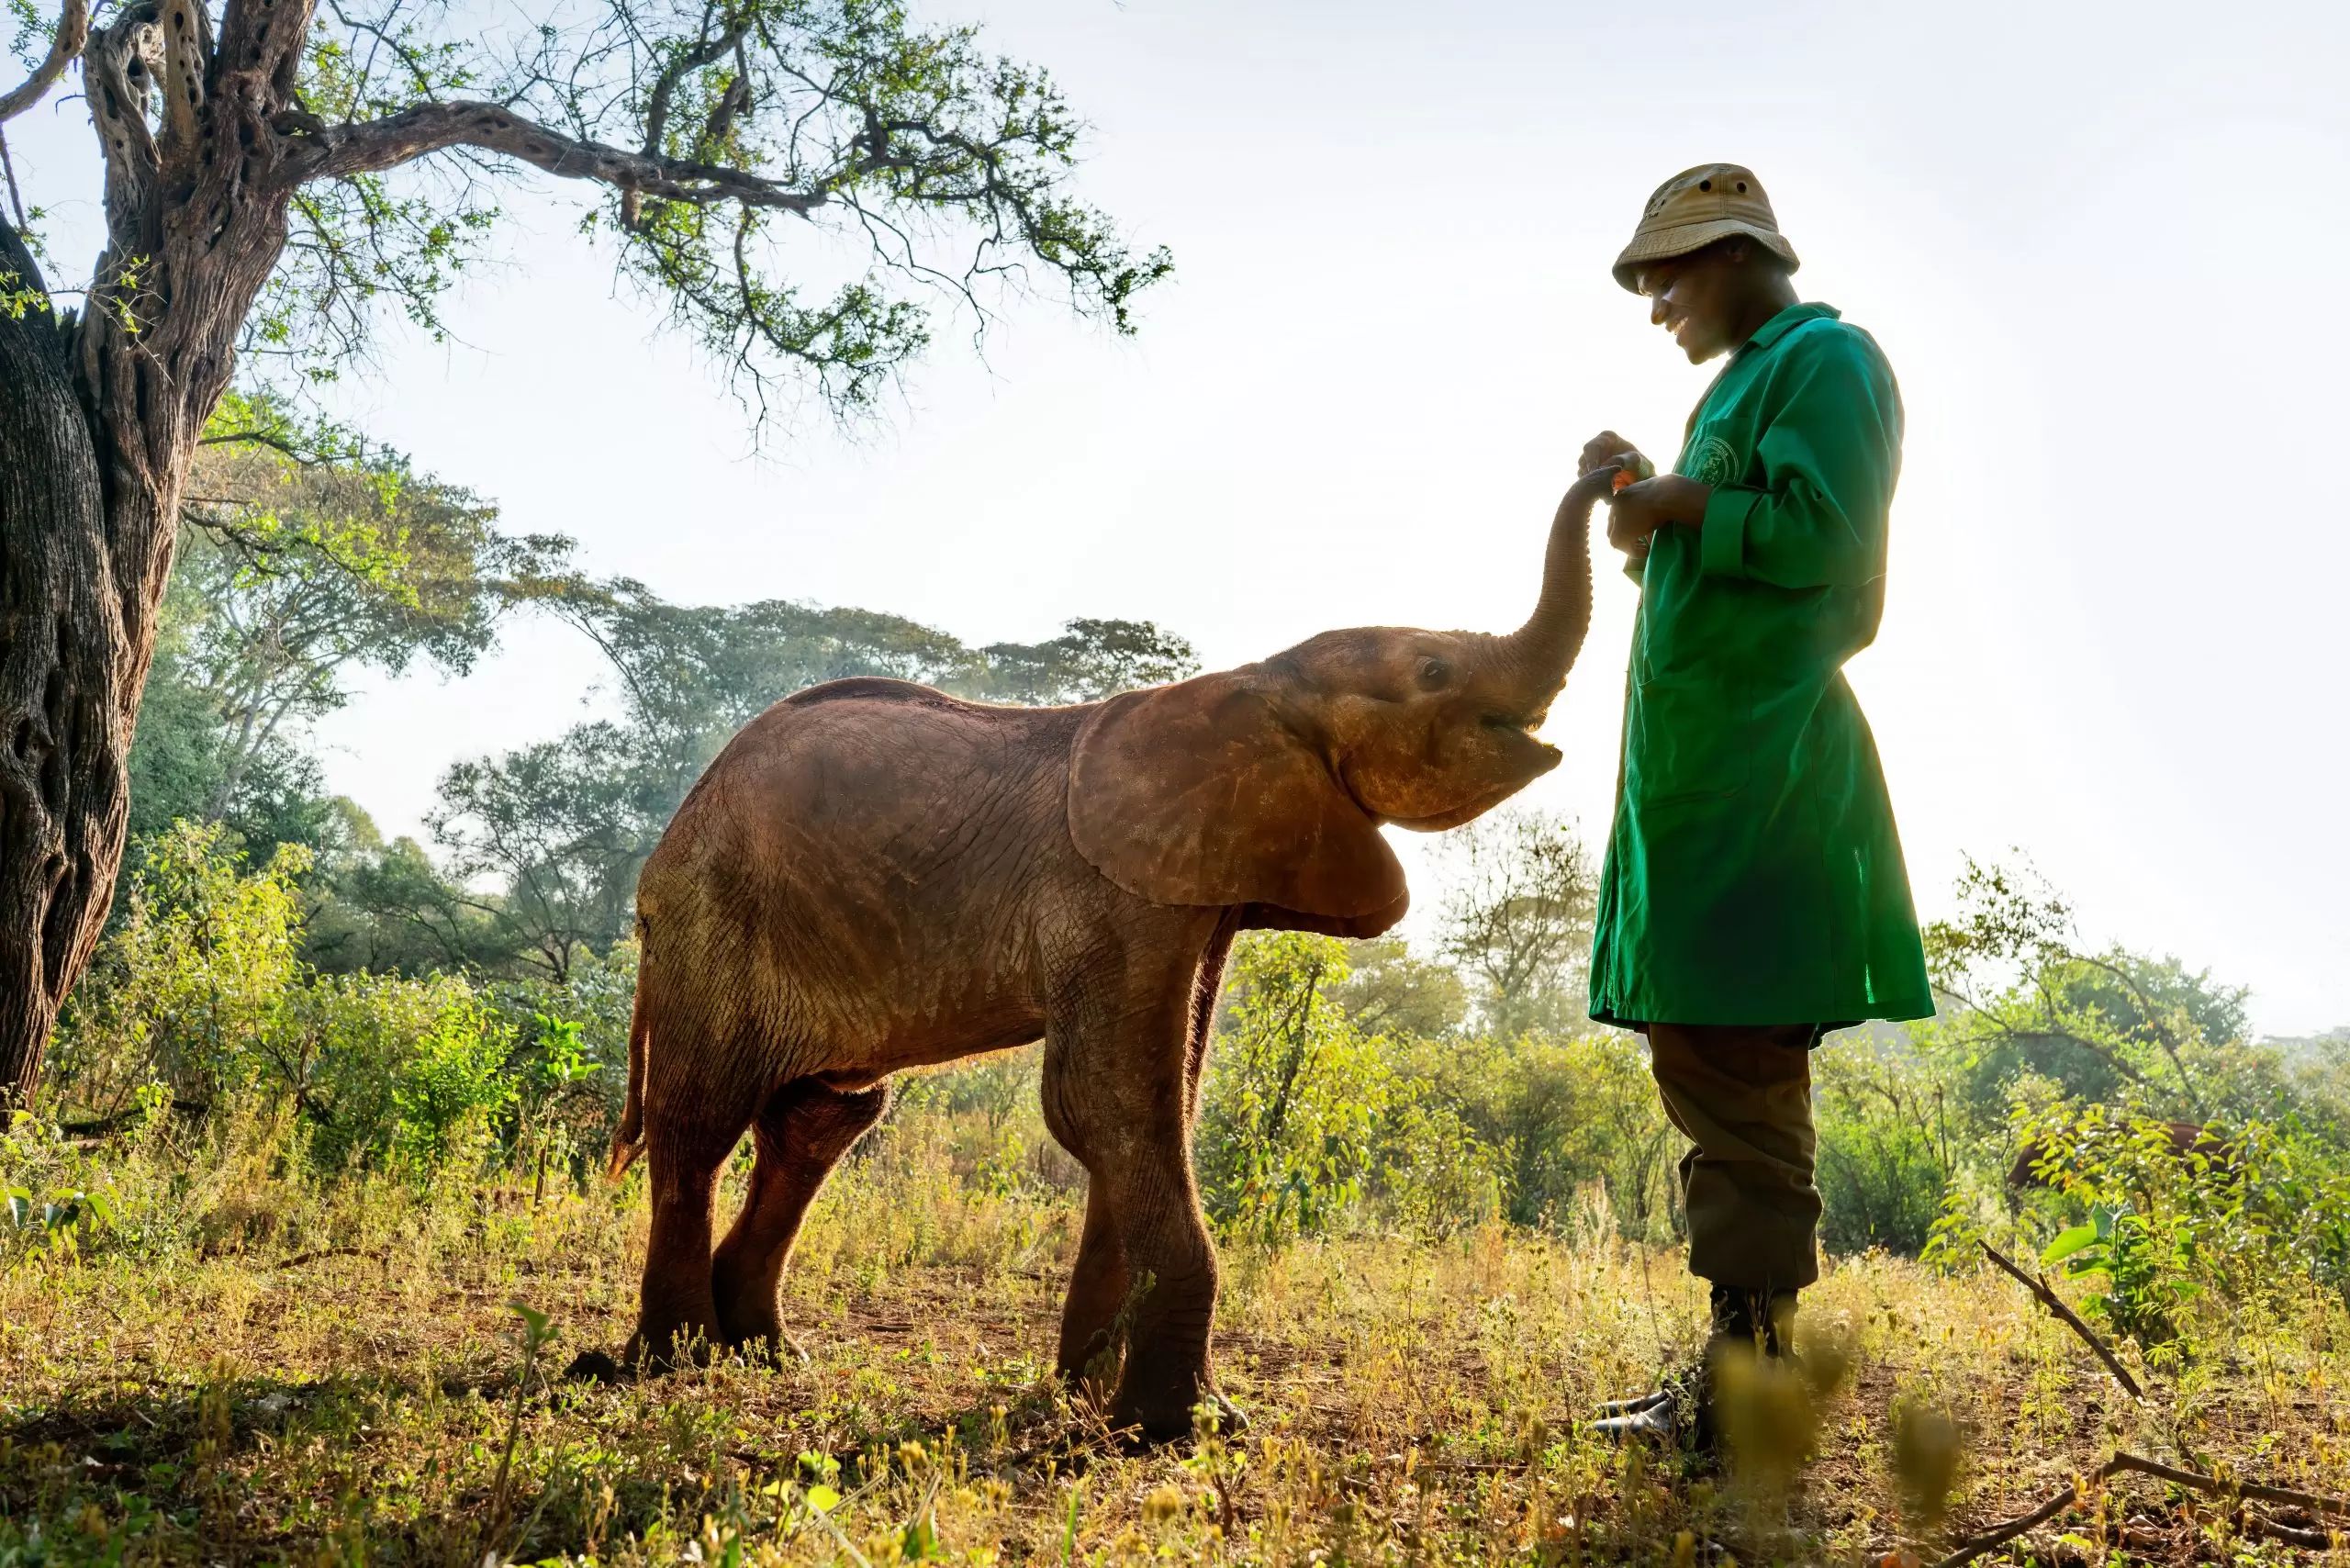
{"x": 1787, "y": 320}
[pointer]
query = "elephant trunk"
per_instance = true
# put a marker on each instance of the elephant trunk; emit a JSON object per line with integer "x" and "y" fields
{"x": 1535, "y": 658}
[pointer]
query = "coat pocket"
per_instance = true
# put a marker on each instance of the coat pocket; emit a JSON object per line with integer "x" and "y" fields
{"x": 1692, "y": 739}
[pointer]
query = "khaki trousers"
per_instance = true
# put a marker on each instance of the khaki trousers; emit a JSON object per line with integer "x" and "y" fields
{"x": 1742, "y": 1096}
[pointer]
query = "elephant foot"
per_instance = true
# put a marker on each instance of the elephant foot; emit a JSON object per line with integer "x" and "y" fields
{"x": 1152, "y": 1422}
{"x": 755, "y": 1325}
{"x": 595, "y": 1366}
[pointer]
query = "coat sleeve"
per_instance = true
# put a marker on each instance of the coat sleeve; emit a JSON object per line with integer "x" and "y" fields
{"x": 1830, "y": 454}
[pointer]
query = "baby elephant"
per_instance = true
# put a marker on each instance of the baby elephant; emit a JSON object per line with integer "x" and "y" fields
{"x": 873, "y": 876}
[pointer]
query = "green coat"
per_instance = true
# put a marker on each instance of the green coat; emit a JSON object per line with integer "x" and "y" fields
{"x": 1753, "y": 874}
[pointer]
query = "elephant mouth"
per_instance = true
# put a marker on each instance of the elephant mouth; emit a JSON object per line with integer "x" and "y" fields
{"x": 1524, "y": 724}
{"x": 1534, "y": 759}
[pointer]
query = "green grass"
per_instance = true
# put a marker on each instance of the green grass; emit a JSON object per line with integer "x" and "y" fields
{"x": 252, "y": 1367}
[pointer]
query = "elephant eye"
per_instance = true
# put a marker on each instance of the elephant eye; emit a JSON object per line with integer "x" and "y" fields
{"x": 1435, "y": 674}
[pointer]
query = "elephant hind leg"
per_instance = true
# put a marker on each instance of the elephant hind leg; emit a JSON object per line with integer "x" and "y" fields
{"x": 699, "y": 1094}
{"x": 1097, "y": 1287}
{"x": 675, "y": 1315}
{"x": 800, "y": 1135}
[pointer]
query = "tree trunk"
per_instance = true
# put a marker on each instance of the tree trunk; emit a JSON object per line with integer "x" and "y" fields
{"x": 64, "y": 725}
{"x": 99, "y": 421}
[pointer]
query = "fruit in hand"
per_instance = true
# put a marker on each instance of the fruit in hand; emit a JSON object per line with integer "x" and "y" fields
{"x": 1635, "y": 469}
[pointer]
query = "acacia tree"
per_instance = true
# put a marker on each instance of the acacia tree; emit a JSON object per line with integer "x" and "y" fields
{"x": 1519, "y": 918}
{"x": 310, "y": 553}
{"x": 275, "y": 171}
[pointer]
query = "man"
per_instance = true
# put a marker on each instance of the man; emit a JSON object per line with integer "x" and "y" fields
{"x": 1754, "y": 893}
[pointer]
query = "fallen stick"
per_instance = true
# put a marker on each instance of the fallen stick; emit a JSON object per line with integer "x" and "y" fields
{"x": 2212, "y": 1485}
{"x": 2069, "y": 1319}
{"x": 1975, "y": 1546}
{"x": 2311, "y": 1539}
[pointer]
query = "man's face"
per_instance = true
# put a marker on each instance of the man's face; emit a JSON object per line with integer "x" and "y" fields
{"x": 1699, "y": 299}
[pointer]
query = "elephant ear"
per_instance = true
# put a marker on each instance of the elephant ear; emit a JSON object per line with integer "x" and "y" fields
{"x": 1197, "y": 793}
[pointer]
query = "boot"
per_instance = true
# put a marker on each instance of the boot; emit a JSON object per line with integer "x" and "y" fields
{"x": 1681, "y": 1409}
{"x": 1764, "y": 1319}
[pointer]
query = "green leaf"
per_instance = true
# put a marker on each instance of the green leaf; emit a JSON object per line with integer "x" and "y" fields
{"x": 534, "y": 1322}
{"x": 823, "y": 1498}
{"x": 2071, "y": 1241}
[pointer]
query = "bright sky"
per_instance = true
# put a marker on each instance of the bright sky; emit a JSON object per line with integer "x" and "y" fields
{"x": 2094, "y": 240}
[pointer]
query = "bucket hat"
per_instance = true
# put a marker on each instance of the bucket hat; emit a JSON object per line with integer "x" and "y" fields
{"x": 1697, "y": 207}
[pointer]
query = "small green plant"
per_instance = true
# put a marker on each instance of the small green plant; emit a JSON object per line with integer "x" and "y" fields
{"x": 535, "y": 1336}
{"x": 2142, "y": 1283}
{"x": 452, "y": 1085}
{"x": 65, "y": 1223}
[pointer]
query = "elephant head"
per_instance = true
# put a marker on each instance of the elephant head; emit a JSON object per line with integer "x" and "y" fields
{"x": 1266, "y": 785}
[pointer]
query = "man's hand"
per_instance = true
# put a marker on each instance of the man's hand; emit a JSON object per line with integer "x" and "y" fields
{"x": 1637, "y": 511}
{"x": 1604, "y": 448}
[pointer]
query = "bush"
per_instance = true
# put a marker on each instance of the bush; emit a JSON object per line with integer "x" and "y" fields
{"x": 1307, "y": 1120}
{"x": 453, "y": 1079}
{"x": 1885, "y": 1165}
{"x": 2165, "y": 1235}
{"x": 199, "y": 999}
{"x": 1565, "y": 1113}
{"x": 190, "y": 983}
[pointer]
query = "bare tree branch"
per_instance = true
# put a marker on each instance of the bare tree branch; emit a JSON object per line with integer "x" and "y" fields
{"x": 72, "y": 32}
{"x": 339, "y": 151}
{"x": 2068, "y": 1317}
{"x": 2218, "y": 1486}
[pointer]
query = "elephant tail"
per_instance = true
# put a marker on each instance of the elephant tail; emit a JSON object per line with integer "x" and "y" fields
{"x": 628, "y": 1138}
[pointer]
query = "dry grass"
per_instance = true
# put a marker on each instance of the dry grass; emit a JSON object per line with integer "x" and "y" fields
{"x": 188, "y": 1399}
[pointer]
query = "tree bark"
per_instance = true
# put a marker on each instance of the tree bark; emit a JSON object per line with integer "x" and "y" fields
{"x": 65, "y": 731}
{"x": 99, "y": 422}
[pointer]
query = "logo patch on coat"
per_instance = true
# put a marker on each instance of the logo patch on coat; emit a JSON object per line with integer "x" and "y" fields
{"x": 1711, "y": 462}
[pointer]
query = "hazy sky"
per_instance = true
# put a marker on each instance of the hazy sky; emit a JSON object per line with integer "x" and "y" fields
{"x": 2101, "y": 246}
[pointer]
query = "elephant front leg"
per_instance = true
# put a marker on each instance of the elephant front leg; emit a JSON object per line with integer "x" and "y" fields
{"x": 1119, "y": 1097}
{"x": 1170, "y": 1309}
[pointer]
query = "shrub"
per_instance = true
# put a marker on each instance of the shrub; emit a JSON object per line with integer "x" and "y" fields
{"x": 190, "y": 981}
{"x": 1306, "y": 1119}
{"x": 452, "y": 1082}
{"x": 1885, "y": 1165}
{"x": 2161, "y": 1233}
{"x": 199, "y": 998}
{"x": 1564, "y": 1113}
